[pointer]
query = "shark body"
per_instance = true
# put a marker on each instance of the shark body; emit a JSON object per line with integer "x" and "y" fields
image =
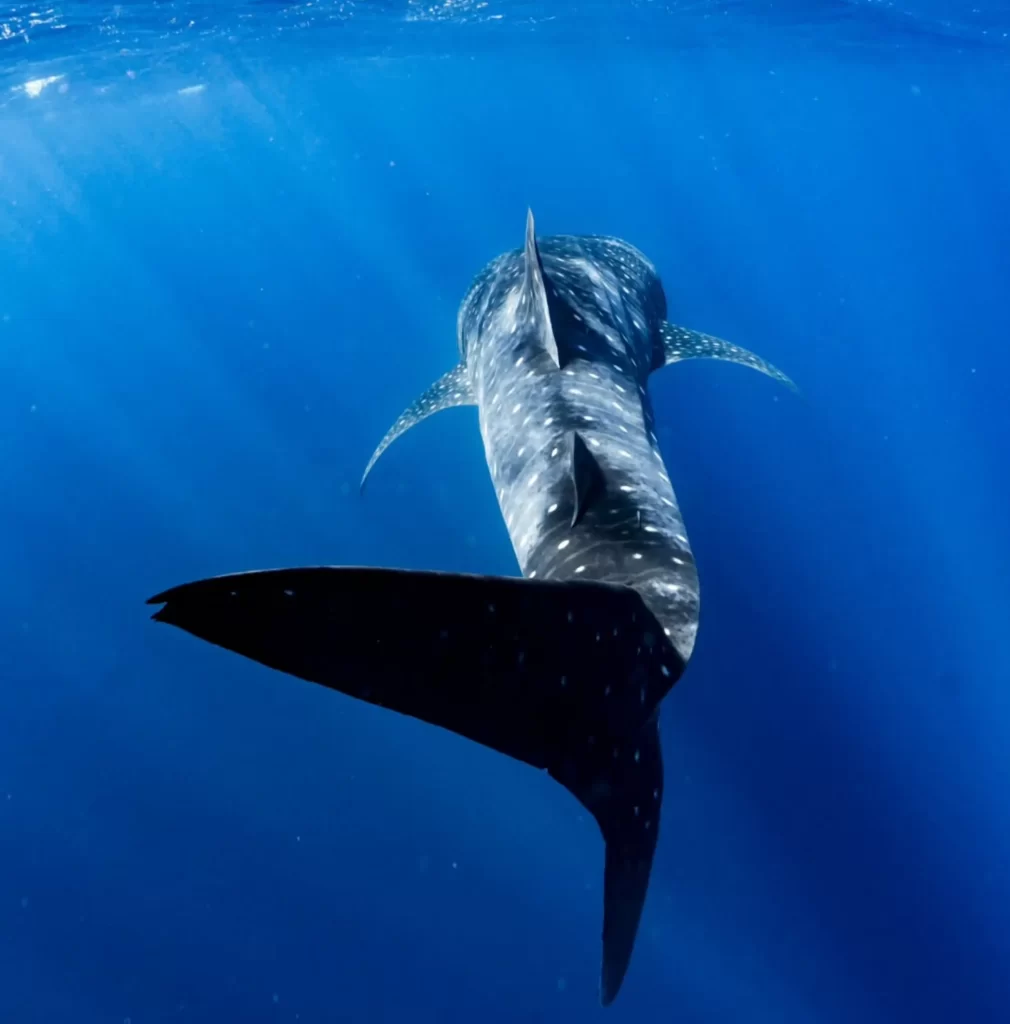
{"x": 566, "y": 667}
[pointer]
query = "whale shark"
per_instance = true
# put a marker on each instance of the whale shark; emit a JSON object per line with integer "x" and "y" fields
{"x": 564, "y": 667}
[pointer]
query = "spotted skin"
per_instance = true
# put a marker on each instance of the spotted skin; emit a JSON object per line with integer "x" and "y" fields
{"x": 564, "y": 669}
{"x": 530, "y": 409}
{"x": 558, "y": 339}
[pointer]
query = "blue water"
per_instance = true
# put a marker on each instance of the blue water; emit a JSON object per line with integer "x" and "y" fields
{"x": 233, "y": 238}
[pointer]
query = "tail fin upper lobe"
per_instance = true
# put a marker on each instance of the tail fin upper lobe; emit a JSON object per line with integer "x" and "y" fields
{"x": 565, "y": 676}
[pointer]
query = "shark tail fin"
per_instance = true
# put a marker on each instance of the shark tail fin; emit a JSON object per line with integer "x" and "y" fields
{"x": 621, "y": 782}
{"x": 450, "y": 390}
{"x": 680, "y": 343}
{"x": 565, "y": 676}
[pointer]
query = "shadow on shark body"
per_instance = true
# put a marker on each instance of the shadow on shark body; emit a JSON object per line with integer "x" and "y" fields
{"x": 564, "y": 668}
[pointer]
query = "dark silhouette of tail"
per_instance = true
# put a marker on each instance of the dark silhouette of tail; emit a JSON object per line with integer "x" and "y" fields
{"x": 565, "y": 676}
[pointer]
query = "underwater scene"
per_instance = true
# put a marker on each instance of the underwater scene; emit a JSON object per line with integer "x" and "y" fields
{"x": 505, "y": 511}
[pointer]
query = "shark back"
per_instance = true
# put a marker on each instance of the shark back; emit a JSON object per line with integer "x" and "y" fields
{"x": 559, "y": 340}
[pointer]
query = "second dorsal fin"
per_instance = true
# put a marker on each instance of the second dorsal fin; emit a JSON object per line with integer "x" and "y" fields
{"x": 536, "y": 292}
{"x": 587, "y": 477}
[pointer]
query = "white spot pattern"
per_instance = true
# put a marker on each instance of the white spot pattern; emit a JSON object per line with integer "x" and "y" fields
{"x": 632, "y": 530}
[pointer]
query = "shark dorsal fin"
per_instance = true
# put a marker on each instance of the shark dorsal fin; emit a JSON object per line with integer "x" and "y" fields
{"x": 536, "y": 291}
{"x": 587, "y": 477}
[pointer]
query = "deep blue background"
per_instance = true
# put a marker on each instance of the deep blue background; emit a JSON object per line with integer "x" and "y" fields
{"x": 213, "y": 304}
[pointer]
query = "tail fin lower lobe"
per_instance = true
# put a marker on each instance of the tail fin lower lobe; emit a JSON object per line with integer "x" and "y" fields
{"x": 620, "y": 780}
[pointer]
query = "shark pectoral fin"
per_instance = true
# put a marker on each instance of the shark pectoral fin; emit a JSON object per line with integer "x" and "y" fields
{"x": 587, "y": 477}
{"x": 448, "y": 391}
{"x": 535, "y": 285}
{"x": 623, "y": 788}
{"x": 680, "y": 343}
{"x": 506, "y": 662}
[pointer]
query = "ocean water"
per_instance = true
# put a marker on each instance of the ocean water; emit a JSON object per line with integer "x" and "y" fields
{"x": 233, "y": 239}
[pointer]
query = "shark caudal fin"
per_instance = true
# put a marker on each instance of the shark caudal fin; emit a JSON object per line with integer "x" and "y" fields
{"x": 680, "y": 343}
{"x": 620, "y": 780}
{"x": 565, "y": 676}
{"x": 450, "y": 390}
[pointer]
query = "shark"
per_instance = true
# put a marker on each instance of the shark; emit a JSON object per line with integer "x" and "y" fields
{"x": 565, "y": 667}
